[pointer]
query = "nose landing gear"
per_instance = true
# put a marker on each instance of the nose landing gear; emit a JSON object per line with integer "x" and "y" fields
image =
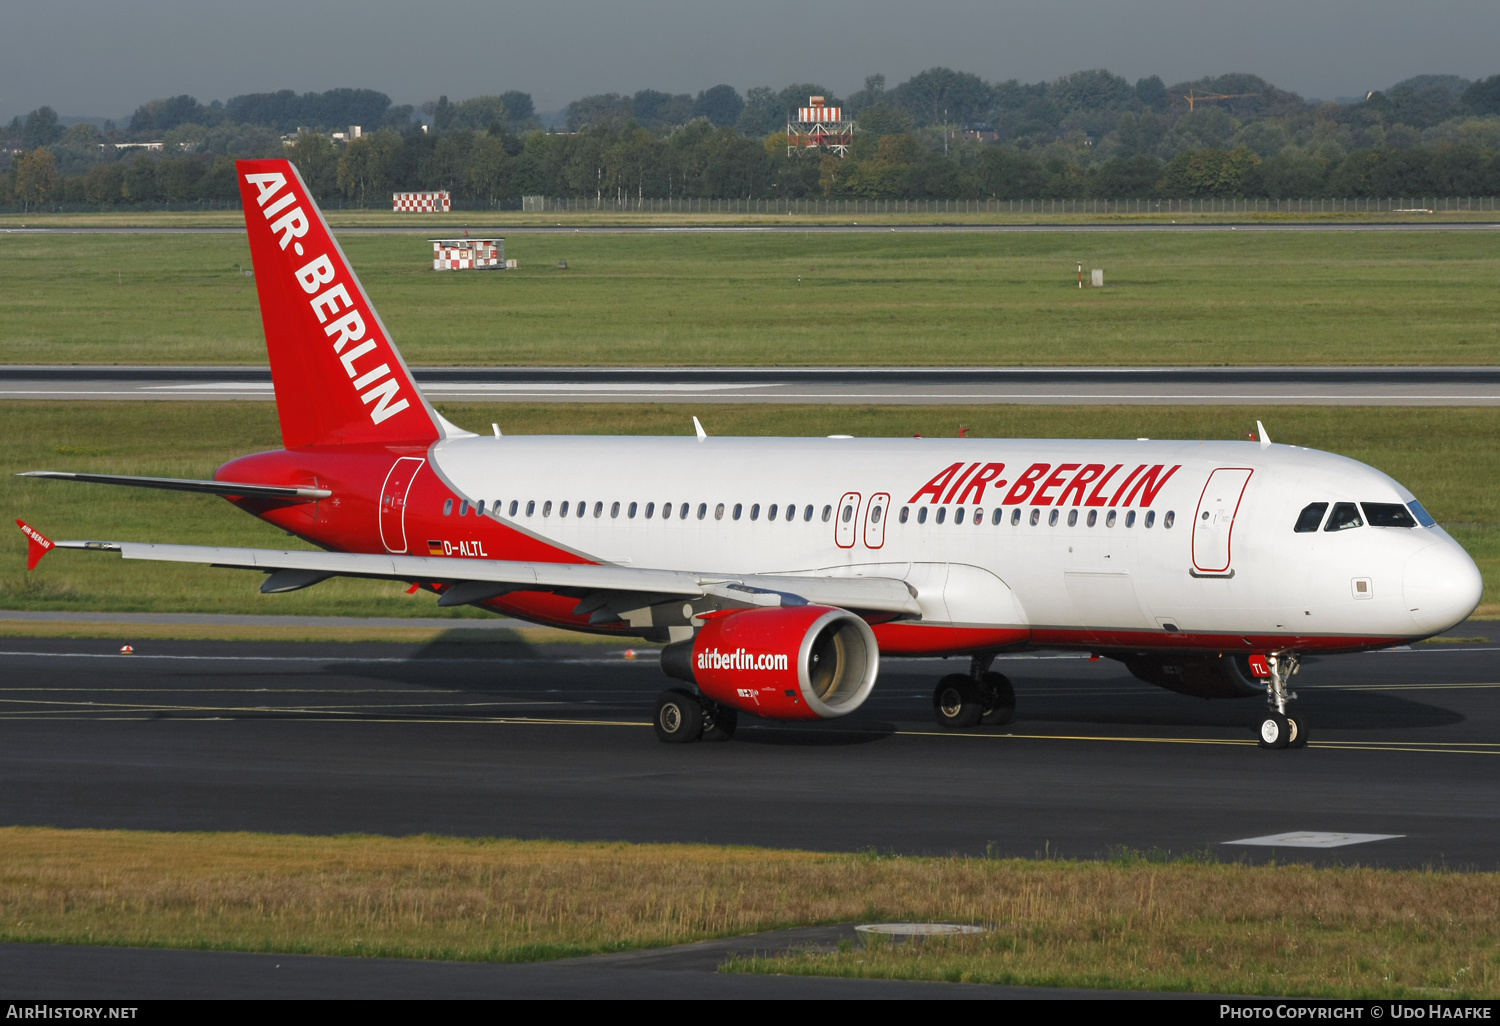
{"x": 1278, "y": 729}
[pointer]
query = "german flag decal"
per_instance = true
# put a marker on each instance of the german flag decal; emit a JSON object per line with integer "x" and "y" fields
{"x": 434, "y": 548}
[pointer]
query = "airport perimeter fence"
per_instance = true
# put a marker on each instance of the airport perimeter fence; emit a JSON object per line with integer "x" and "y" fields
{"x": 590, "y": 204}
{"x": 1206, "y": 205}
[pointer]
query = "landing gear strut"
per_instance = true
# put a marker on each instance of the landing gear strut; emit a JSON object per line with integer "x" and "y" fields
{"x": 1278, "y": 729}
{"x": 980, "y": 696}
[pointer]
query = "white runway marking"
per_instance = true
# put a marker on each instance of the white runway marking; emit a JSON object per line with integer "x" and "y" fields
{"x": 1313, "y": 839}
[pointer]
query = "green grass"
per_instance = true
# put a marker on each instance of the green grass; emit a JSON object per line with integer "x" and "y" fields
{"x": 1449, "y": 456}
{"x": 890, "y": 298}
{"x": 1136, "y": 923}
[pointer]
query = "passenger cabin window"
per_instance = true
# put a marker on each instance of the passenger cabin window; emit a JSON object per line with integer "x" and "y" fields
{"x": 547, "y": 508}
{"x": 807, "y": 515}
{"x": 942, "y": 514}
{"x": 530, "y": 506}
{"x": 922, "y": 515}
{"x": 702, "y": 510}
{"x": 1387, "y": 514}
{"x": 447, "y": 507}
{"x": 738, "y": 509}
{"x": 755, "y": 511}
{"x": 682, "y": 511}
{"x": 1150, "y": 517}
{"x": 463, "y": 508}
{"x": 513, "y": 504}
{"x": 978, "y": 516}
{"x": 479, "y": 510}
{"x": 1072, "y": 518}
{"x": 1310, "y": 517}
{"x": 650, "y": 509}
{"x": 1093, "y": 517}
{"x": 828, "y": 512}
{"x": 771, "y": 511}
{"x": 719, "y": 511}
{"x": 614, "y": 510}
{"x": 1052, "y": 519}
{"x": 1345, "y": 516}
{"x": 1130, "y": 519}
{"x": 999, "y": 516}
{"x": 1109, "y": 521}
{"x": 1015, "y": 516}
{"x": 1036, "y": 517}
{"x": 666, "y": 511}
{"x": 1168, "y": 520}
{"x": 958, "y": 515}
{"x": 562, "y": 511}
{"x": 905, "y": 511}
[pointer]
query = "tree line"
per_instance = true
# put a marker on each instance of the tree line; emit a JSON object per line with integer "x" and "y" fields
{"x": 940, "y": 135}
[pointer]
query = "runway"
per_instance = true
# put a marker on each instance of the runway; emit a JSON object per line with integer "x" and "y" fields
{"x": 554, "y": 741}
{"x": 456, "y": 221}
{"x": 1247, "y": 386}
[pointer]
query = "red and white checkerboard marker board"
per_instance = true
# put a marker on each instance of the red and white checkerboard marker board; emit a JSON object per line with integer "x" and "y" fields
{"x": 422, "y": 202}
{"x": 468, "y": 254}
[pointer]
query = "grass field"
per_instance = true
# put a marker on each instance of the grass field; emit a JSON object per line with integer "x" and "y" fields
{"x": 794, "y": 299}
{"x": 1126, "y": 923}
{"x": 1449, "y": 456}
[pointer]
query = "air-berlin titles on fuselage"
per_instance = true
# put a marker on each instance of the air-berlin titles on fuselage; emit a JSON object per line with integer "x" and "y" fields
{"x": 327, "y": 302}
{"x": 965, "y": 484}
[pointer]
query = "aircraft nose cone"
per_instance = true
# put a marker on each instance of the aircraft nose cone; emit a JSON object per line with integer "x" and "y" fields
{"x": 1442, "y": 586}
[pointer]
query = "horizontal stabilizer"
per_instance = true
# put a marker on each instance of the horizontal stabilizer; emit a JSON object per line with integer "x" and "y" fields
{"x": 181, "y": 484}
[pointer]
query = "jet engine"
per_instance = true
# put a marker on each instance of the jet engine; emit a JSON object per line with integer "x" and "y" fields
{"x": 1215, "y": 676}
{"x": 787, "y": 663}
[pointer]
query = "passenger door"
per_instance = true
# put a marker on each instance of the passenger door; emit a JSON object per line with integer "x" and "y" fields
{"x": 846, "y": 520}
{"x": 1213, "y": 523}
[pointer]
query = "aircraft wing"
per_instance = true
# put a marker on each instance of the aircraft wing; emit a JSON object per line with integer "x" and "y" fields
{"x": 600, "y": 588}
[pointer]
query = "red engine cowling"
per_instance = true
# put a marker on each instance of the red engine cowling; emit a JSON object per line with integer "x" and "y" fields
{"x": 788, "y": 663}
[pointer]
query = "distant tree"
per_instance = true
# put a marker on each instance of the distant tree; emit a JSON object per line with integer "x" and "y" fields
{"x": 1152, "y": 92}
{"x": 1483, "y": 97}
{"x": 762, "y": 114}
{"x": 601, "y": 109}
{"x": 139, "y": 184}
{"x": 484, "y": 173}
{"x": 158, "y": 116}
{"x": 1139, "y": 133}
{"x": 285, "y": 111}
{"x": 657, "y": 110}
{"x": 399, "y": 118}
{"x": 871, "y": 94}
{"x": 37, "y": 180}
{"x": 881, "y": 119}
{"x": 1125, "y": 177}
{"x": 1208, "y": 172}
{"x": 316, "y": 161}
{"x": 41, "y": 129}
{"x": 367, "y": 165}
{"x": 721, "y": 104}
{"x": 177, "y": 177}
{"x": 478, "y": 114}
{"x": 103, "y": 184}
{"x": 1092, "y": 100}
{"x": 944, "y": 96}
{"x": 518, "y": 105}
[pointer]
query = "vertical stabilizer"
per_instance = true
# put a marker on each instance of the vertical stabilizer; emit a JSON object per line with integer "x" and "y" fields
{"x": 338, "y": 377}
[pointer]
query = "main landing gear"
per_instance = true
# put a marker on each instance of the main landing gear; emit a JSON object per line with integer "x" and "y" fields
{"x": 682, "y": 716}
{"x": 979, "y": 697}
{"x": 1278, "y": 729}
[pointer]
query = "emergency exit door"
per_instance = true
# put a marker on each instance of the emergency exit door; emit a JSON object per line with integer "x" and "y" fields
{"x": 393, "y": 502}
{"x": 1213, "y": 525}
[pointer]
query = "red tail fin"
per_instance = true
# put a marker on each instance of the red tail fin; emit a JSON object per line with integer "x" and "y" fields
{"x": 38, "y": 546}
{"x": 338, "y": 377}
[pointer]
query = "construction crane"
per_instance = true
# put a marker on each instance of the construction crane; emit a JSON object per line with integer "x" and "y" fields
{"x": 1192, "y": 98}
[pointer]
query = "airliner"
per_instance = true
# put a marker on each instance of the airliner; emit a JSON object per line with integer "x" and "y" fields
{"x": 776, "y": 572}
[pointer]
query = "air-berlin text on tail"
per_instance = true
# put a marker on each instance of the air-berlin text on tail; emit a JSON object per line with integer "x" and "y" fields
{"x": 330, "y": 299}
{"x": 1043, "y": 484}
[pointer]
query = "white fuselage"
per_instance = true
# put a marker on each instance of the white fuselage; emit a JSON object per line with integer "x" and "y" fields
{"x": 1207, "y": 548}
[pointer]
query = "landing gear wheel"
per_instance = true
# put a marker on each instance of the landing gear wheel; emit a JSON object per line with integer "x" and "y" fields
{"x": 679, "y": 717}
{"x": 719, "y": 722}
{"x": 1298, "y": 732}
{"x": 1275, "y": 731}
{"x": 999, "y": 701}
{"x": 957, "y": 702}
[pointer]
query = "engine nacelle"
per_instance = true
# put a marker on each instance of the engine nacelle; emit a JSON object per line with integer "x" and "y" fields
{"x": 787, "y": 663}
{"x": 1213, "y": 676}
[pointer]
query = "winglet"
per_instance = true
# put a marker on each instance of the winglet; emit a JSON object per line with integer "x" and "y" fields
{"x": 699, "y": 428}
{"x": 39, "y": 546}
{"x": 1260, "y": 430}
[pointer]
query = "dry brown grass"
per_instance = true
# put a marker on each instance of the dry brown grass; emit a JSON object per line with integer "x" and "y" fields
{"x": 1128, "y": 923}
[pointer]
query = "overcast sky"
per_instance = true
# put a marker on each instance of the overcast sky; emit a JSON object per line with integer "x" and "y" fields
{"x": 103, "y": 58}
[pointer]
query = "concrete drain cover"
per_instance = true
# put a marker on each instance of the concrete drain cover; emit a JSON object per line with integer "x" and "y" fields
{"x": 1314, "y": 839}
{"x": 920, "y": 929}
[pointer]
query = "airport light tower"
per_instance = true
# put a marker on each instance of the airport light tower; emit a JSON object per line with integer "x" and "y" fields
{"x": 819, "y": 127}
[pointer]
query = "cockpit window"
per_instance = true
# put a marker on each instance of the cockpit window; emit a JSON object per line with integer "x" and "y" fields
{"x": 1423, "y": 517}
{"x": 1387, "y": 514}
{"x": 1310, "y": 517}
{"x": 1344, "y": 516}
